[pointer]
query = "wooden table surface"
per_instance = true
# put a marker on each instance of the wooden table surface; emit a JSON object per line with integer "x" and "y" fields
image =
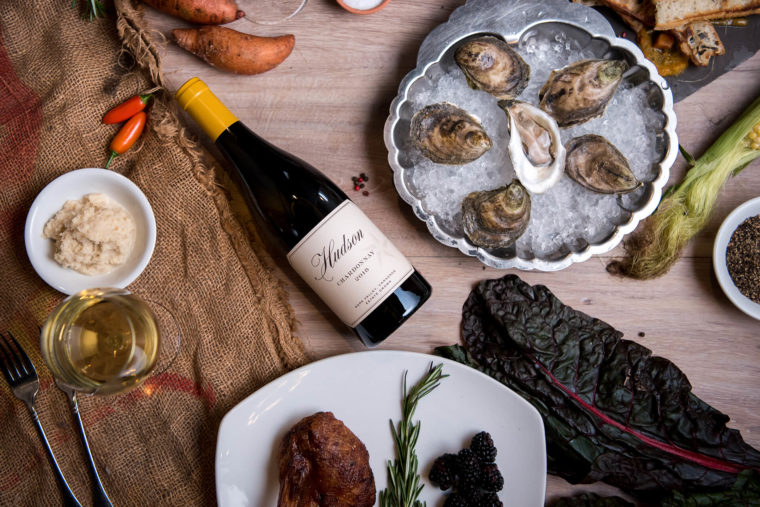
{"x": 328, "y": 102}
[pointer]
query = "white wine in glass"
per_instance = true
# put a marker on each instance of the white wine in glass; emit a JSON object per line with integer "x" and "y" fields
{"x": 101, "y": 341}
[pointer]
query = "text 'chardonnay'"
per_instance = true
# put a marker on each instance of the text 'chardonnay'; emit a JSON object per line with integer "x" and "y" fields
{"x": 327, "y": 239}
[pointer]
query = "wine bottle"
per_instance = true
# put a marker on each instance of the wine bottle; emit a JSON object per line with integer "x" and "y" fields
{"x": 328, "y": 240}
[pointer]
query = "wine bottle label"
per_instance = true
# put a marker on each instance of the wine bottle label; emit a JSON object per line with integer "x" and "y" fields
{"x": 349, "y": 263}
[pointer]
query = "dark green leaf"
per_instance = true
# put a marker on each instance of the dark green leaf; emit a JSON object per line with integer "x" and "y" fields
{"x": 745, "y": 492}
{"x": 612, "y": 411}
{"x": 591, "y": 500}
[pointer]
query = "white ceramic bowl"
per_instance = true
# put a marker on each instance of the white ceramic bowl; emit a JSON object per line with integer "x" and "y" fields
{"x": 733, "y": 220}
{"x": 75, "y": 185}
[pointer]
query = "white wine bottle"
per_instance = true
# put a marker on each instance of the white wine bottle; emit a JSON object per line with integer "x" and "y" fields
{"x": 327, "y": 239}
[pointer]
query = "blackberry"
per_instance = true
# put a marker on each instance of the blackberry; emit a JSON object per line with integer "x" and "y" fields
{"x": 471, "y": 493}
{"x": 443, "y": 472}
{"x": 456, "y": 500}
{"x": 488, "y": 500}
{"x": 482, "y": 446}
{"x": 468, "y": 468}
{"x": 490, "y": 477}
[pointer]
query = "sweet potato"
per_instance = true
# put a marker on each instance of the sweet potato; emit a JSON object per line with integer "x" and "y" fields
{"x": 204, "y": 12}
{"x": 234, "y": 51}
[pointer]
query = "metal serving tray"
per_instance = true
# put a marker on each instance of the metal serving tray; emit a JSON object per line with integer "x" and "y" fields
{"x": 511, "y": 21}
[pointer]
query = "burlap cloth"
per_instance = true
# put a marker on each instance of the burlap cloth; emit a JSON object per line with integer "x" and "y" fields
{"x": 153, "y": 445}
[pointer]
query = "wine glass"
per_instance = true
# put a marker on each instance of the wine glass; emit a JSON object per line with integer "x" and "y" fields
{"x": 108, "y": 340}
{"x": 270, "y": 12}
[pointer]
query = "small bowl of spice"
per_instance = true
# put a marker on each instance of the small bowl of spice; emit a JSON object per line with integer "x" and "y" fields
{"x": 363, "y": 6}
{"x": 736, "y": 257}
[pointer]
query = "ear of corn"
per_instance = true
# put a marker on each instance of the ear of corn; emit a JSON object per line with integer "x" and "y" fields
{"x": 686, "y": 208}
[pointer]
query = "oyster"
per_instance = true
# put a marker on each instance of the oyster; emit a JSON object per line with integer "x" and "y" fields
{"x": 596, "y": 164}
{"x": 496, "y": 218}
{"x": 447, "y": 134}
{"x": 535, "y": 146}
{"x": 491, "y": 65}
{"x": 581, "y": 91}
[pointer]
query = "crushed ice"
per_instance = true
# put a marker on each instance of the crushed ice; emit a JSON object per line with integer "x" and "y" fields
{"x": 567, "y": 216}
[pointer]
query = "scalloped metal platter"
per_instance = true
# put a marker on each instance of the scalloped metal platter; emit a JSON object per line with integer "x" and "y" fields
{"x": 533, "y": 27}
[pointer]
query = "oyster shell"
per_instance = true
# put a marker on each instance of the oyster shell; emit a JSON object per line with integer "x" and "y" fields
{"x": 496, "y": 218}
{"x": 596, "y": 164}
{"x": 491, "y": 65}
{"x": 581, "y": 91}
{"x": 446, "y": 134}
{"x": 535, "y": 146}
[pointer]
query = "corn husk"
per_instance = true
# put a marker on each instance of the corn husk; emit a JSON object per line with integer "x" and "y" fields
{"x": 686, "y": 208}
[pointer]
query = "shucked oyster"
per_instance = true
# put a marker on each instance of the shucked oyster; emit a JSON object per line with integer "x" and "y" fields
{"x": 491, "y": 65}
{"x": 581, "y": 91}
{"x": 535, "y": 146}
{"x": 496, "y": 218}
{"x": 447, "y": 134}
{"x": 596, "y": 164}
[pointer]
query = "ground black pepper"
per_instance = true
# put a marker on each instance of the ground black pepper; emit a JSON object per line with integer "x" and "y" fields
{"x": 743, "y": 258}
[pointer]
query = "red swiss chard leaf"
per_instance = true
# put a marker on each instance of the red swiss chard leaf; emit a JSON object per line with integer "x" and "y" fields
{"x": 612, "y": 411}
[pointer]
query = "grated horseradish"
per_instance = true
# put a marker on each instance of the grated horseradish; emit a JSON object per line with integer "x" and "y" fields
{"x": 92, "y": 235}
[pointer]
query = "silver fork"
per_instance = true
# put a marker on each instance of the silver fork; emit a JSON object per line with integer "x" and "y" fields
{"x": 99, "y": 495}
{"x": 22, "y": 377}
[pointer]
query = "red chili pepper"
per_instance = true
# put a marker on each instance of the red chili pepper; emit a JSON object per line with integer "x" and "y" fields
{"x": 127, "y": 109}
{"x": 126, "y": 137}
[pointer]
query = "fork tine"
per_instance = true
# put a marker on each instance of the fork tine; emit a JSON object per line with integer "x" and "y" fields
{"x": 25, "y": 360}
{"x": 18, "y": 365}
{"x": 6, "y": 360}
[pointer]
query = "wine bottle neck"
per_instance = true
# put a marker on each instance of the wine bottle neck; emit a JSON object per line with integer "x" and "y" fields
{"x": 204, "y": 107}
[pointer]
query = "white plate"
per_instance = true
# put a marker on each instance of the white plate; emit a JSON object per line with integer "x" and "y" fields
{"x": 733, "y": 220}
{"x": 75, "y": 185}
{"x": 363, "y": 390}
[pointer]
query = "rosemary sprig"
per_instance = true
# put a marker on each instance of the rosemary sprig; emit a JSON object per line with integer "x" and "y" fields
{"x": 91, "y": 9}
{"x": 404, "y": 485}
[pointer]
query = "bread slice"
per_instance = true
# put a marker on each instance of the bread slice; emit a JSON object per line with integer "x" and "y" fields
{"x": 700, "y": 41}
{"x": 676, "y": 13}
{"x": 696, "y": 39}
